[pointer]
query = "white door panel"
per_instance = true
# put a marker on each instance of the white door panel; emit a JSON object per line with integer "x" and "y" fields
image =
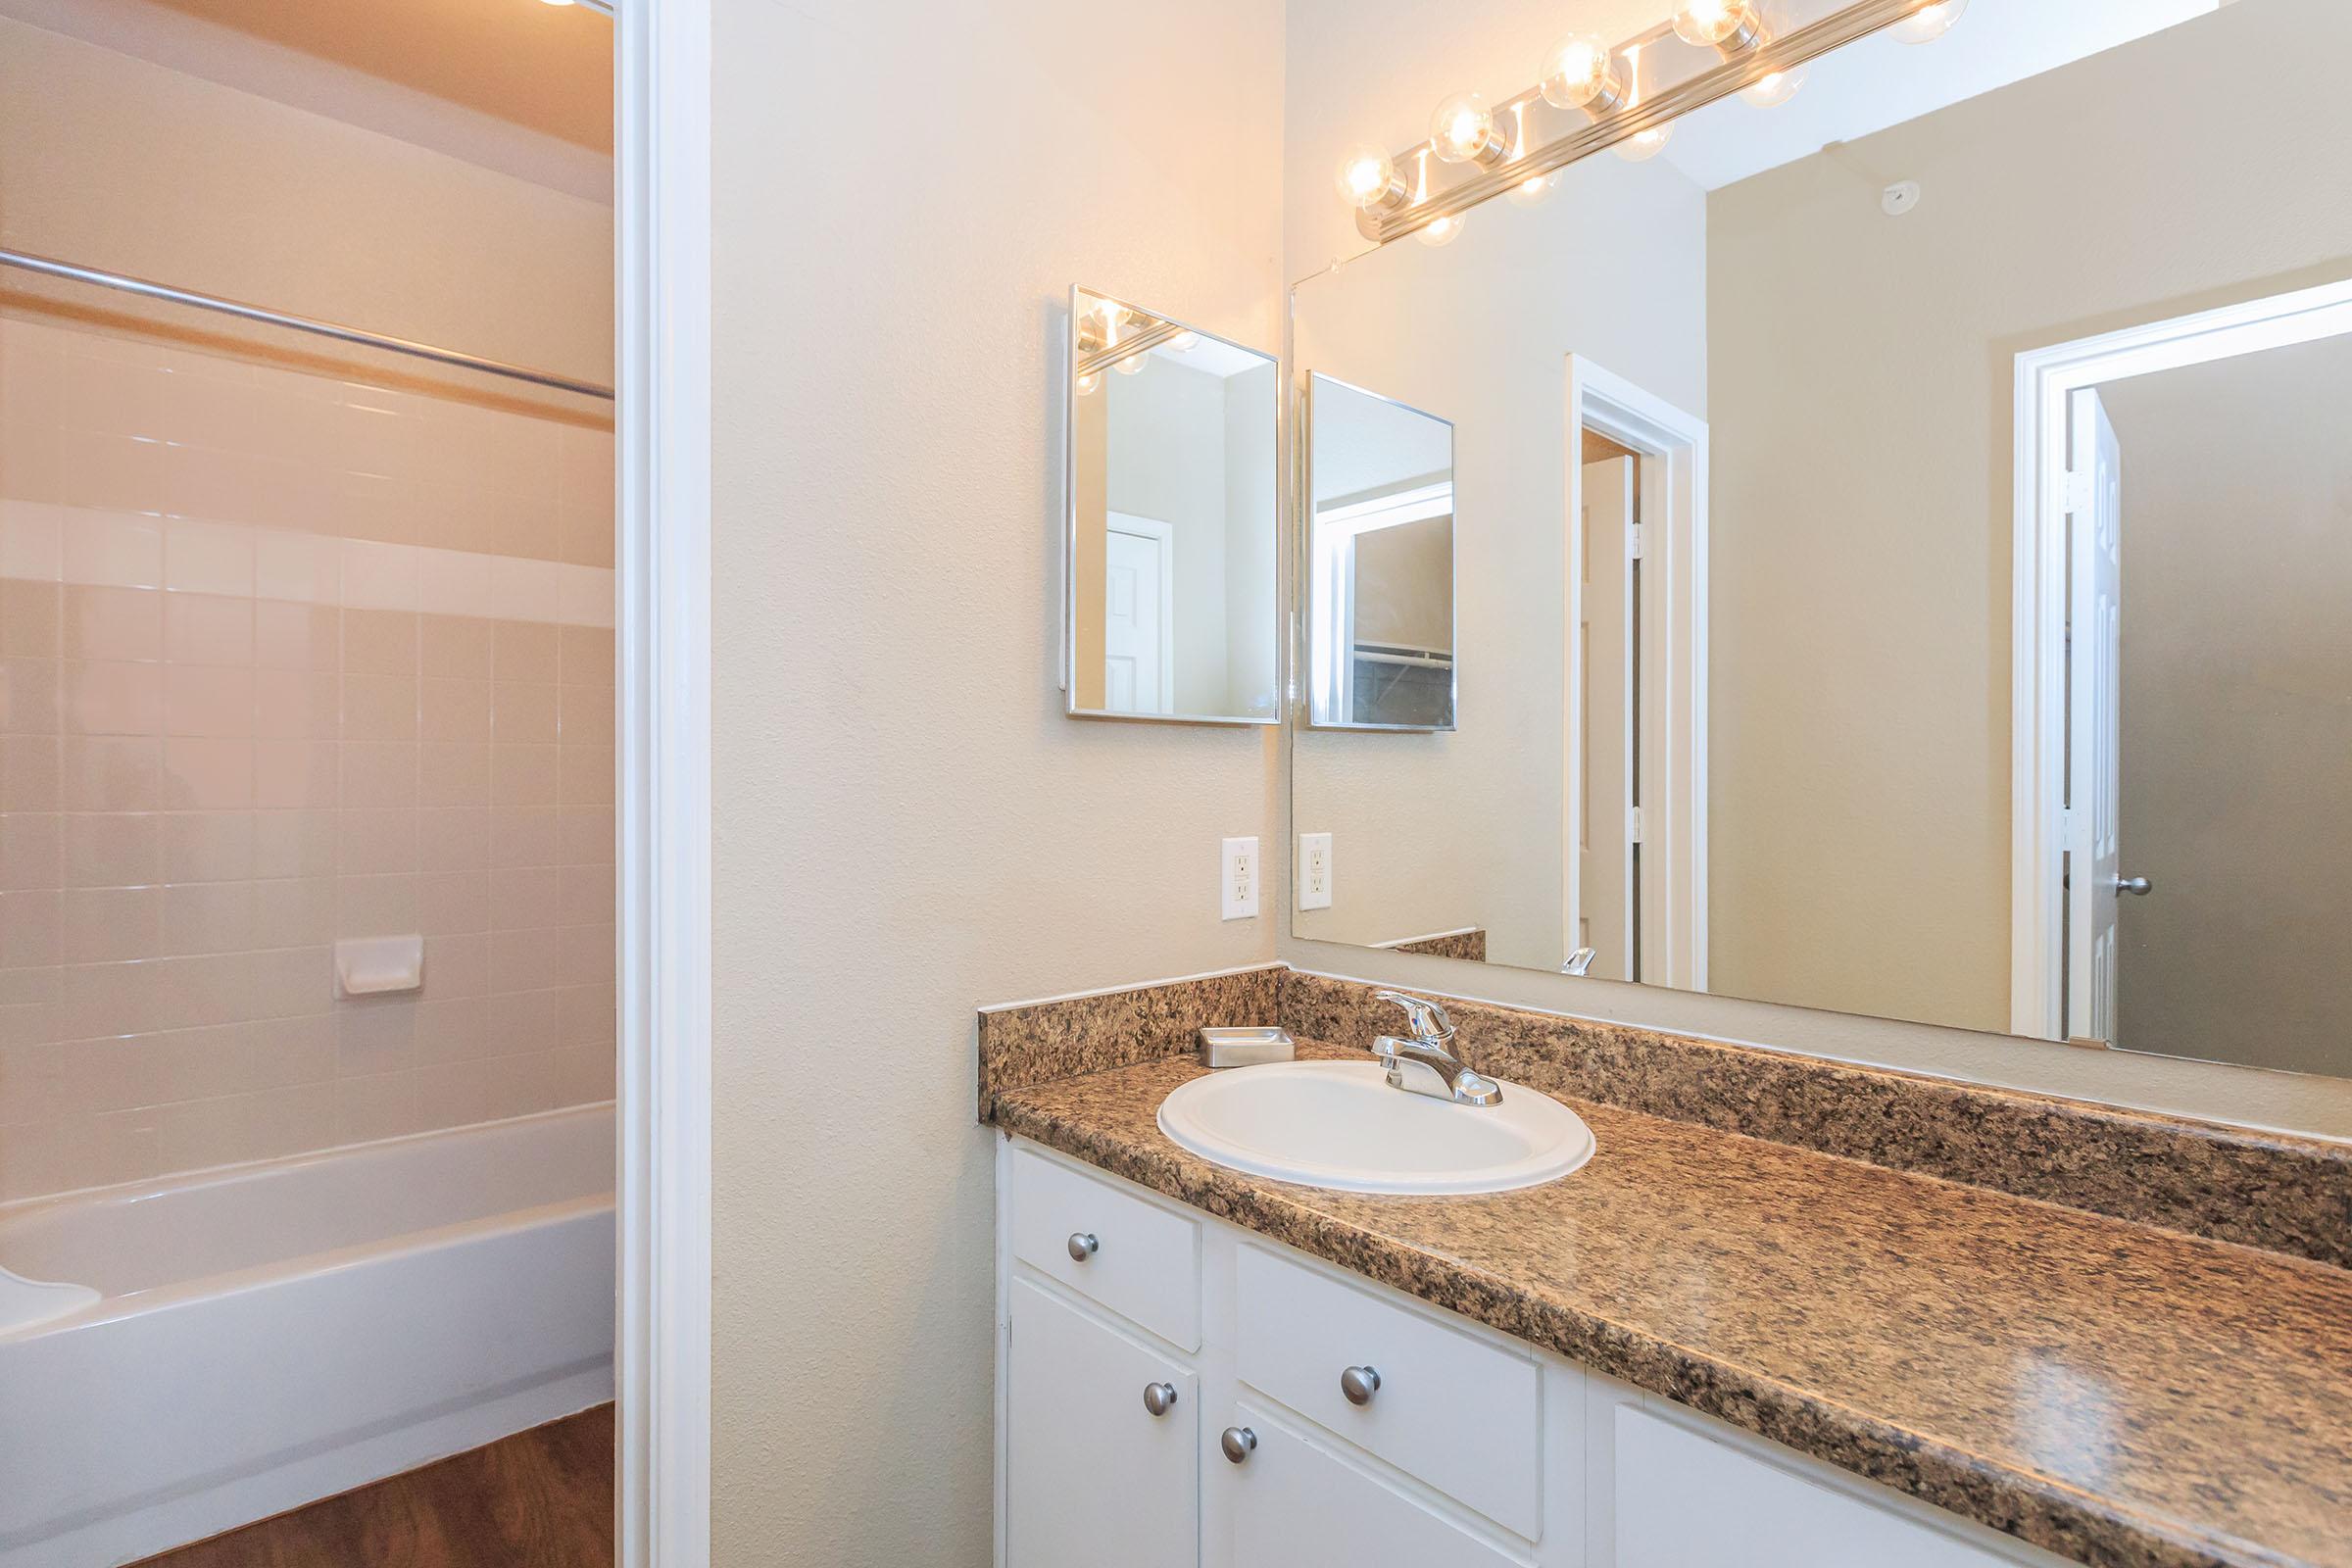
{"x": 1605, "y": 844}
{"x": 2095, "y": 733}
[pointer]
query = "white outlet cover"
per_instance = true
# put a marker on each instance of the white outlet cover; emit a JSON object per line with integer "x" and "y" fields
{"x": 1314, "y": 870}
{"x": 1236, "y": 880}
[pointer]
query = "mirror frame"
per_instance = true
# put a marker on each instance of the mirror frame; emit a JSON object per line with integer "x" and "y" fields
{"x": 1068, "y": 663}
{"x": 1303, "y": 558}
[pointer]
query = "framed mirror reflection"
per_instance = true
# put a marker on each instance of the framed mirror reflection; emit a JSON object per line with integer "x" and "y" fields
{"x": 1173, "y": 520}
{"x": 1904, "y": 553}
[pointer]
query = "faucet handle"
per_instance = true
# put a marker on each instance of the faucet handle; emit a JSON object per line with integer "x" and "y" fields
{"x": 1428, "y": 1020}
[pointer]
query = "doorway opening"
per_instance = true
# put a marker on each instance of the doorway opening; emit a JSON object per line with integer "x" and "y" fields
{"x": 2084, "y": 946}
{"x": 1635, "y": 685}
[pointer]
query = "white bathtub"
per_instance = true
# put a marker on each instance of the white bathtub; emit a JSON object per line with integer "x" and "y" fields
{"x": 270, "y": 1334}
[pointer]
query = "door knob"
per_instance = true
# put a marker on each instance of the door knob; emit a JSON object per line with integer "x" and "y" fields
{"x": 1083, "y": 1246}
{"x": 1160, "y": 1397}
{"x": 2139, "y": 887}
{"x": 1237, "y": 1441}
{"x": 1359, "y": 1384}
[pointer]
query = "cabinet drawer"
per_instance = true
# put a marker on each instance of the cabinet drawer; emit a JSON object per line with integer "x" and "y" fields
{"x": 1294, "y": 1503}
{"x": 1145, "y": 1264}
{"x": 1091, "y": 1475}
{"x": 1454, "y": 1411}
{"x": 1686, "y": 1502}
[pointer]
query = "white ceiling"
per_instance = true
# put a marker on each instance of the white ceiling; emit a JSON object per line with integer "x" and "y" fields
{"x": 1881, "y": 81}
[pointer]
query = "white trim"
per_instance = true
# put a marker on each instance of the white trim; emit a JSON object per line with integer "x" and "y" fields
{"x": 1674, "y": 651}
{"x": 663, "y": 439}
{"x": 2045, "y": 378}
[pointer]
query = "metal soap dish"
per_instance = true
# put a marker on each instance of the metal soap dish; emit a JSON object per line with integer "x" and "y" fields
{"x": 1245, "y": 1047}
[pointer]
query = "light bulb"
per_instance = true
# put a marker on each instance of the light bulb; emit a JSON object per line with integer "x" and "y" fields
{"x": 1527, "y": 192}
{"x": 1368, "y": 180}
{"x": 1643, "y": 145}
{"x": 1928, "y": 23}
{"x": 1182, "y": 343}
{"x": 1462, "y": 131}
{"x": 1089, "y": 382}
{"x": 1730, "y": 25}
{"x": 1441, "y": 231}
{"x": 1131, "y": 365}
{"x": 555, "y": 2}
{"x": 1769, "y": 92}
{"x": 1578, "y": 73}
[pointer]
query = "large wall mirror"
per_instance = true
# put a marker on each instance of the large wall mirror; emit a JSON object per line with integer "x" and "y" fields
{"x": 1902, "y": 543}
{"x": 1174, "y": 541}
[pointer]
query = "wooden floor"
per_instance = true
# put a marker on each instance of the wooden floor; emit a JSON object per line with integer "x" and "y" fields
{"x": 542, "y": 1498}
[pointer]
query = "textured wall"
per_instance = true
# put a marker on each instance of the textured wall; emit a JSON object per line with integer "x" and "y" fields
{"x": 907, "y": 823}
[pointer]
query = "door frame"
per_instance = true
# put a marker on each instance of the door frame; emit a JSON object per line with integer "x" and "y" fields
{"x": 1673, "y": 649}
{"x": 662, "y": 432}
{"x": 2046, "y": 380}
{"x": 1163, "y": 536}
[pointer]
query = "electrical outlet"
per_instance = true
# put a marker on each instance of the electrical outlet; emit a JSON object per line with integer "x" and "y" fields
{"x": 1314, "y": 870}
{"x": 1237, "y": 885}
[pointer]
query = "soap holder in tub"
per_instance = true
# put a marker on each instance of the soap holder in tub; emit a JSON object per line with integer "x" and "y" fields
{"x": 375, "y": 966}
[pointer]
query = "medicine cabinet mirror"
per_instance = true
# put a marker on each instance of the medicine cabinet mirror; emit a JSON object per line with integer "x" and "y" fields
{"x": 1904, "y": 556}
{"x": 1379, "y": 567}
{"x": 1173, "y": 520}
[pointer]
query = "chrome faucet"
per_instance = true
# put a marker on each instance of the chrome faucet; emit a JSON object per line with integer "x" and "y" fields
{"x": 1426, "y": 1064}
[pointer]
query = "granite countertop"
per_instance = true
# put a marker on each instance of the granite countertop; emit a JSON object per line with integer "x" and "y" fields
{"x": 2120, "y": 1395}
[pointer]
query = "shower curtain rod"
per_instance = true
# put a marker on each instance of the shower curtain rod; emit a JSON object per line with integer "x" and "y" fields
{"x": 50, "y": 267}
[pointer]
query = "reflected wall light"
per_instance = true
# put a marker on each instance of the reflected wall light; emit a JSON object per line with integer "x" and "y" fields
{"x": 1929, "y": 21}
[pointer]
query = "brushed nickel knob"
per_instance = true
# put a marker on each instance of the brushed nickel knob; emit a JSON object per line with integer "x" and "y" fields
{"x": 1237, "y": 1441}
{"x": 1359, "y": 1384}
{"x": 1083, "y": 1246}
{"x": 2137, "y": 886}
{"x": 1160, "y": 1397}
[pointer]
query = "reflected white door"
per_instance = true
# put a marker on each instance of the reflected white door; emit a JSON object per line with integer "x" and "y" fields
{"x": 1139, "y": 624}
{"x": 2094, "y": 743}
{"x": 1605, "y": 847}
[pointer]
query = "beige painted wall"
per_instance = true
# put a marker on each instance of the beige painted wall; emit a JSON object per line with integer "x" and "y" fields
{"x": 2237, "y": 652}
{"x": 907, "y": 824}
{"x": 118, "y": 163}
{"x": 1861, "y": 530}
{"x": 1414, "y": 818}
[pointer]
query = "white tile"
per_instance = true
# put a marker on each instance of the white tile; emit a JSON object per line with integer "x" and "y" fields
{"x": 303, "y": 567}
{"x": 112, "y": 549}
{"x": 587, "y": 596}
{"x": 207, "y": 557}
{"x": 456, "y": 582}
{"x": 377, "y": 576}
{"x": 528, "y": 590}
{"x": 32, "y": 542}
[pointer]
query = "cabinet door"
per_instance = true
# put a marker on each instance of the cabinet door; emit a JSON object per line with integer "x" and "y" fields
{"x": 1684, "y": 1501}
{"x": 1091, "y": 1475}
{"x": 1293, "y": 1503}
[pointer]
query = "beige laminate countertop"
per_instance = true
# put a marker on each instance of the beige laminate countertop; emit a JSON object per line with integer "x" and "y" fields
{"x": 2120, "y": 1395}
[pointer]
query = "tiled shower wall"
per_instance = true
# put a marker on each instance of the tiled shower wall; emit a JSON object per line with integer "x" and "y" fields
{"x": 285, "y": 658}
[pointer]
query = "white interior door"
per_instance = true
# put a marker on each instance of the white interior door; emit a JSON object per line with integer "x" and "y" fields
{"x": 1604, "y": 840}
{"x": 2094, "y": 740}
{"x": 1139, "y": 630}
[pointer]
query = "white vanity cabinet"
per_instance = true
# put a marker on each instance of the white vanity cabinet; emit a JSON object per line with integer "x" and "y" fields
{"x": 1175, "y": 1392}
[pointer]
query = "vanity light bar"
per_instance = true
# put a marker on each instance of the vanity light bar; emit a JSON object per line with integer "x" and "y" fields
{"x": 1731, "y": 71}
{"x": 1093, "y": 361}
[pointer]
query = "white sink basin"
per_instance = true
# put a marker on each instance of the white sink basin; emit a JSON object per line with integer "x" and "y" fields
{"x": 1339, "y": 1124}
